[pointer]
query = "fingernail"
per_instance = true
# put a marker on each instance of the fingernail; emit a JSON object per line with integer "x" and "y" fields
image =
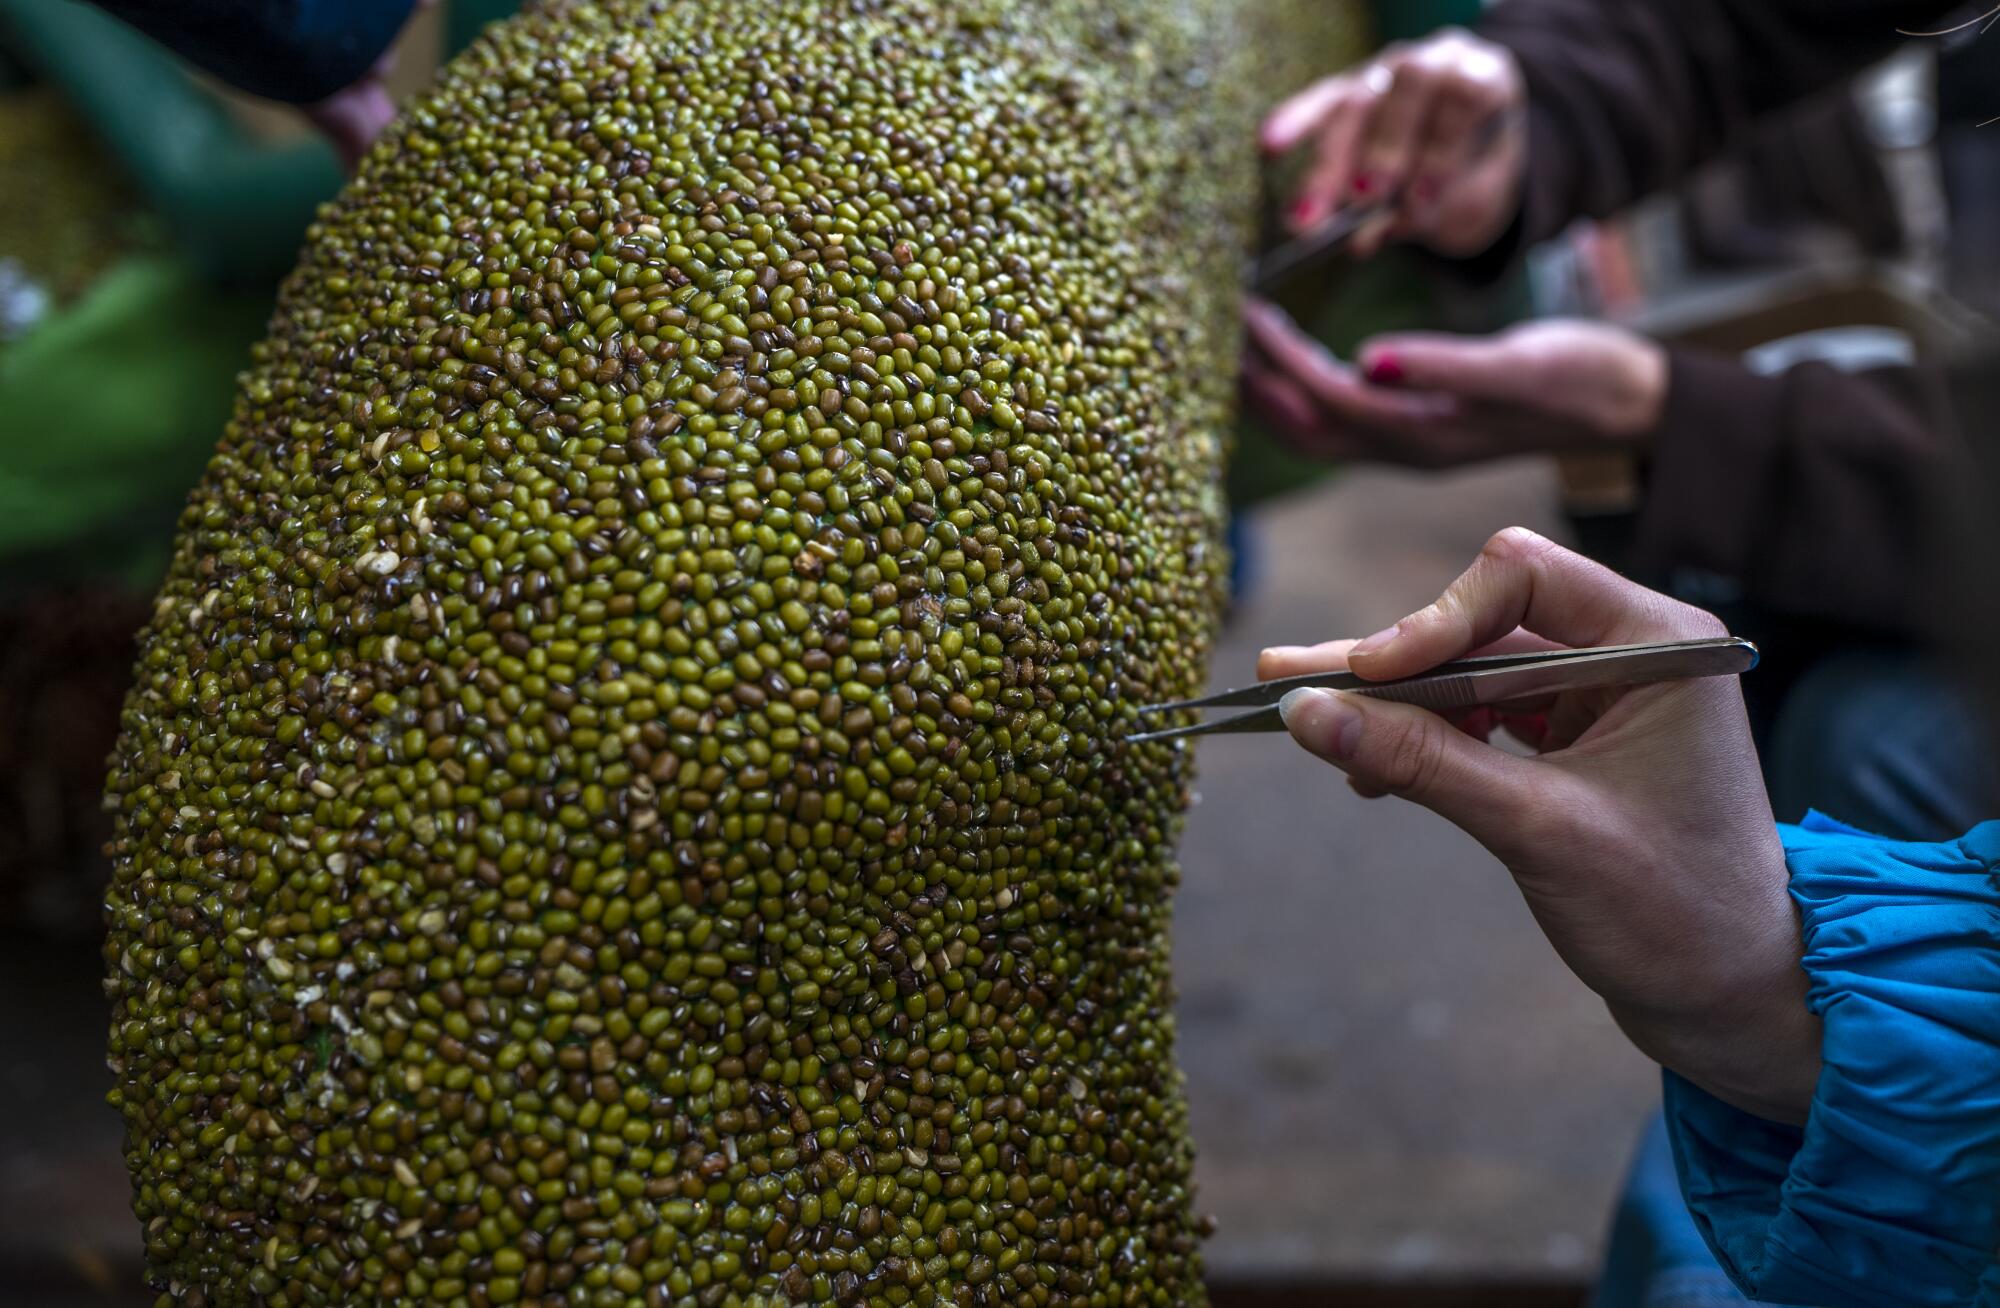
{"x": 1364, "y": 183}
{"x": 1323, "y": 721}
{"x": 1385, "y": 370}
{"x": 1369, "y": 644}
{"x": 1302, "y": 209}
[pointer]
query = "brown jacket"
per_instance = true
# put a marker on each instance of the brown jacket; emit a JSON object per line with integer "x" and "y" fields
{"x": 1812, "y": 488}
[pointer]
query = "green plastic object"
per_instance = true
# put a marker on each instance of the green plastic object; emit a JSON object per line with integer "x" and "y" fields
{"x": 113, "y": 407}
{"x": 237, "y": 206}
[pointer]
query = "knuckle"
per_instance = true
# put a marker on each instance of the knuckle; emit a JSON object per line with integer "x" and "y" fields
{"x": 1459, "y": 100}
{"x": 1693, "y": 623}
{"x": 1492, "y": 86}
{"x": 1414, "y": 76}
{"x": 1413, "y": 760}
{"x": 1517, "y": 545}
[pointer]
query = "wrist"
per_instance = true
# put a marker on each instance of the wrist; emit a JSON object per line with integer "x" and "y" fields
{"x": 1737, "y": 1021}
{"x": 1747, "y": 1036}
{"x": 1764, "y": 1061}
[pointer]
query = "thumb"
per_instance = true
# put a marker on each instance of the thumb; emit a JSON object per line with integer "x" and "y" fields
{"x": 1470, "y": 367}
{"x": 1400, "y": 749}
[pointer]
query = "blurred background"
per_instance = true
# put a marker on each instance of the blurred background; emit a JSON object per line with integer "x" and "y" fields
{"x": 1398, "y": 1093}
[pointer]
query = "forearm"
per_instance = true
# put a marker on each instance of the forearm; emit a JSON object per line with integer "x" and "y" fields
{"x": 1759, "y": 1052}
{"x": 1625, "y": 99}
{"x": 1758, "y": 478}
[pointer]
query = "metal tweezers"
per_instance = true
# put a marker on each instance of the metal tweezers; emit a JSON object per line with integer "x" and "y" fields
{"x": 1469, "y": 683}
{"x": 1323, "y": 242}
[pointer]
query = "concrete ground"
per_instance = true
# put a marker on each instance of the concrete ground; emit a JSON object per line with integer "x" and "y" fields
{"x": 1393, "y": 1080}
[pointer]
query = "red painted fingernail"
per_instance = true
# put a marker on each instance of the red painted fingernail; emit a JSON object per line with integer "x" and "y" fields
{"x": 1479, "y": 723}
{"x": 1385, "y": 370}
{"x": 1302, "y": 209}
{"x": 1363, "y": 183}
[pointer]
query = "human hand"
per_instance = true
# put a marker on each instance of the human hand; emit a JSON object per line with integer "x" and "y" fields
{"x": 1412, "y": 123}
{"x": 352, "y": 117}
{"x": 1640, "y": 834}
{"x": 1431, "y": 400}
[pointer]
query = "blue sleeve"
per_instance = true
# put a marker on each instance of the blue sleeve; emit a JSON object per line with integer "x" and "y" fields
{"x": 300, "y": 51}
{"x": 1890, "y": 1194}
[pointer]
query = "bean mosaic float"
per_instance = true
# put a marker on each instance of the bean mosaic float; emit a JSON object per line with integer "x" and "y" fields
{"x": 624, "y": 799}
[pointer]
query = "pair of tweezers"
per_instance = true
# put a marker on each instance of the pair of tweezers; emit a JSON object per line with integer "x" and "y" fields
{"x": 1323, "y": 242}
{"x": 1469, "y": 683}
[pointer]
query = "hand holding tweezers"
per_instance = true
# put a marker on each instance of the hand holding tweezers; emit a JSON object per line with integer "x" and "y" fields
{"x": 1487, "y": 679}
{"x": 1270, "y": 272}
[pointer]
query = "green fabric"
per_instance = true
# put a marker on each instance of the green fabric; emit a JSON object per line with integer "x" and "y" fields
{"x": 237, "y": 206}
{"x": 1404, "y": 20}
{"x": 465, "y": 19}
{"x": 112, "y": 408}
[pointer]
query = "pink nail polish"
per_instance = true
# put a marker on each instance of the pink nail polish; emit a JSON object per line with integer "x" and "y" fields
{"x": 1385, "y": 370}
{"x": 1370, "y": 644}
{"x": 1364, "y": 183}
{"x": 1302, "y": 209}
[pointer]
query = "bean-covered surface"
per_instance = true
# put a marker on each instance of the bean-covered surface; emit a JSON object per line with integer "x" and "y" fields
{"x": 624, "y": 799}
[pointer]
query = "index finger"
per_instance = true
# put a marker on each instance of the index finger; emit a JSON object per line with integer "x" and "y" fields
{"x": 1297, "y": 660}
{"x": 1286, "y": 127}
{"x": 1334, "y": 385}
{"x": 1332, "y": 655}
{"x": 1523, "y": 580}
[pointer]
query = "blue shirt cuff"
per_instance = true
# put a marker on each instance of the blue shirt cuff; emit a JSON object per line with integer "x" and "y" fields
{"x": 1890, "y": 1194}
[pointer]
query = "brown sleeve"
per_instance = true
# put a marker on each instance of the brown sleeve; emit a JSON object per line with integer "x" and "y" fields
{"x": 1627, "y": 96}
{"x": 1812, "y": 488}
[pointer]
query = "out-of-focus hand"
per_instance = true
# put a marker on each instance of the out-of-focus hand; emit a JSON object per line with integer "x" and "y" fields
{"x": 354, "y": 116}
{"x": 1640, "y": 835}
{"x": 1430, "y": 400}
{"x": 1413, "y": 122}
